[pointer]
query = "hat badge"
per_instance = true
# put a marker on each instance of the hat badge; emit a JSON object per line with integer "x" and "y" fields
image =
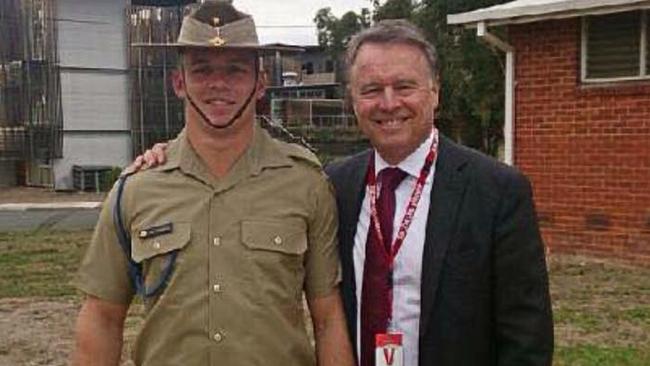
{"x": 217, "y": 41}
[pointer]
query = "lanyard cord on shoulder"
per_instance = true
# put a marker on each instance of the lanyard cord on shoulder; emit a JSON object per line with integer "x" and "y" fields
{"x": 135, "y": 271}
{"x": 204, "y": 117}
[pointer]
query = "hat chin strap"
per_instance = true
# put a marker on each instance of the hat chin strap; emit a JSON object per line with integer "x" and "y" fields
{"x": 204, "y": 117}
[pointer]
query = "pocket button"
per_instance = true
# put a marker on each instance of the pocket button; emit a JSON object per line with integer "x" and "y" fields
{"x": 218, "y": 337}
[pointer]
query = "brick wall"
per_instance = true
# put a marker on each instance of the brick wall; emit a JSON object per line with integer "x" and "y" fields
{"x": 586, "y": 148}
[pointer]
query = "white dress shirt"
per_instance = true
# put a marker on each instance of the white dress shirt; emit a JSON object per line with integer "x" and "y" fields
{"x": 408, "y": 263}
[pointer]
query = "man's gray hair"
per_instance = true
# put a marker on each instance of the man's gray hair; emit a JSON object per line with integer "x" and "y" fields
{"x": 393, "y": 31}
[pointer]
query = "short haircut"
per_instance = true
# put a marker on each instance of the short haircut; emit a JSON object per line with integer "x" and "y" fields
{"x": 393, "y": 31}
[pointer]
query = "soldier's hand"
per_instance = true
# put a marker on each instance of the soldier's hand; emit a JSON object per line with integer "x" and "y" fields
{"x": 151, "y": 158}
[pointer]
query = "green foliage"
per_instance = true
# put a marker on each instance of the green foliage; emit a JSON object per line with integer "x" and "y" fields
{"x": 111, "y": 177}
{"x": 471, "y": 74}
{"x": 592, "y": 355}
{"x": 394, "y": 9}
{"x": 641, "y": 314}
{"x": 334, "y": 33}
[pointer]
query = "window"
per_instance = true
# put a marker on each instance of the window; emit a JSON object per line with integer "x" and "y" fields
{"x": 329, "y": 66}
{"x": 616, "y": 47}
{"x": 308, "y": 68}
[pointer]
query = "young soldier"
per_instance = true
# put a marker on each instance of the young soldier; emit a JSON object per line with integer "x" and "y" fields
{"x": 223, "y": 238}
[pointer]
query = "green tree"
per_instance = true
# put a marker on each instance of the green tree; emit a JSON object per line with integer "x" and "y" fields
{"x": 472, "y": 89}
{"x": 334, "y": 33}
{"x": 393, "y": 9}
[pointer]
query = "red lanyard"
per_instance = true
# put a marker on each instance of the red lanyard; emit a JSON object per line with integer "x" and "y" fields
{"x": 371, "y": 181}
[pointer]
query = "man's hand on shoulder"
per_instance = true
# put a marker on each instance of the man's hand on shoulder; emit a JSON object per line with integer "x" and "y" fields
{"x": 151, "y": 158}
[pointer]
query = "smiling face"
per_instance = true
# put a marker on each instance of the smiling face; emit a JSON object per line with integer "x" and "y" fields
{"x": 394, "y": 97}
{"x": 219, "y": 82}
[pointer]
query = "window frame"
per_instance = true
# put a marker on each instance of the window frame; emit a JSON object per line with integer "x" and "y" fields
{"x": 644, "y": 68}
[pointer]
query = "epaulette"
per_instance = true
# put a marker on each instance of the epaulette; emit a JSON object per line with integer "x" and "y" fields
{"x": 301, "y": 153}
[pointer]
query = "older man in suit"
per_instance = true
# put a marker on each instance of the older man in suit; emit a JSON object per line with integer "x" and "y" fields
{"x": 439, "y": 244}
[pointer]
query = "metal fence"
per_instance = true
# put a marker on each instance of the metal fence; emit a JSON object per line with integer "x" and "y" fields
{"x": 30, "y": 102}
{"x": 156, "y": 113}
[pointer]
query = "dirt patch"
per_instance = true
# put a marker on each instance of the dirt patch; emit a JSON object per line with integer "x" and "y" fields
{"x": 45, "y": 195}
{"x": 600, "y": 302}
{"x": 36, "y": 332}
{"x": 40, "y": 332}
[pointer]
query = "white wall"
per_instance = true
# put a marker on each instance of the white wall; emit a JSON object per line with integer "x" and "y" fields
{"x": 92, "y": 43}
{"x": 92, "y": 33}
{"x": 94, "y": 101}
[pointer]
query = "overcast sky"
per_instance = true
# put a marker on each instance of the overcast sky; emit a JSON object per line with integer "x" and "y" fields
{"x": 272, "y": 17}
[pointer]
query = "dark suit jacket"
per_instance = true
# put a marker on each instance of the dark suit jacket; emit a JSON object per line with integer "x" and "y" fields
{"x": 485, "y": 298}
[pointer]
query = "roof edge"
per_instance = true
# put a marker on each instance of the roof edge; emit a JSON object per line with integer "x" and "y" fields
{"x": 497, "y": 15}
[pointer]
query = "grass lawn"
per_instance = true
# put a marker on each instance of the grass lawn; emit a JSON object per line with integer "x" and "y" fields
{"x": 601, "y": 312}
{"x": 40, "y": 264}
{"x": 601, "y": 308}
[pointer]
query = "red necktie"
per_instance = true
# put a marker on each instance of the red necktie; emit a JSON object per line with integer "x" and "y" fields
{"x": 377, "y": 276}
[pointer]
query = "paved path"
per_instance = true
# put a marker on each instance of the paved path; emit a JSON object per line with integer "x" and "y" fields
{"x": 53, "y": 216}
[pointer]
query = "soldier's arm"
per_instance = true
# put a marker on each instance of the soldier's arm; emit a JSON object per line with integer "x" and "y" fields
{"x": 333, "y": 346}
{"x": 99, "y": 333}
{"x": 103, "y": 277}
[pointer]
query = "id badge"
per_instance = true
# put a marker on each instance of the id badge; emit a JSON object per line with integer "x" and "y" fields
{"x": 388, "y": 349}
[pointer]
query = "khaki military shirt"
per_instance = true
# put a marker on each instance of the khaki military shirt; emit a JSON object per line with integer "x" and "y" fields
{"x": 247, "y": 246}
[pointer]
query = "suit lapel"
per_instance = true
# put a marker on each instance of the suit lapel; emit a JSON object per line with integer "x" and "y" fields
{"x": 446, "y": 195}
{"x": 356, "y": 193}
{"x": 351, "y": 199}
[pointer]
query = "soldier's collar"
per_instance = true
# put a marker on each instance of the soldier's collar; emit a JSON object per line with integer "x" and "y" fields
{"x": 264, "y": 152}
{"x": 181, "y": 155}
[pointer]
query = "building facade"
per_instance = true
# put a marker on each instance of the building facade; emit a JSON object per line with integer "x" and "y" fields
{"x": 64, "y": 89}
{"x": 94, "y": 74}
{"x": 586, "y": 146}
{"x": 582, "y": 118}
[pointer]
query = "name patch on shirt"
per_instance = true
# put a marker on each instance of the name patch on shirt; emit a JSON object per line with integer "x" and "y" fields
{"x": 156, "y": 230}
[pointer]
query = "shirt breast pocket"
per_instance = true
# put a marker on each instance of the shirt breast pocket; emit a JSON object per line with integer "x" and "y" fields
{"x": 275, "y": 252}
{"x": 159, "y": 252}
